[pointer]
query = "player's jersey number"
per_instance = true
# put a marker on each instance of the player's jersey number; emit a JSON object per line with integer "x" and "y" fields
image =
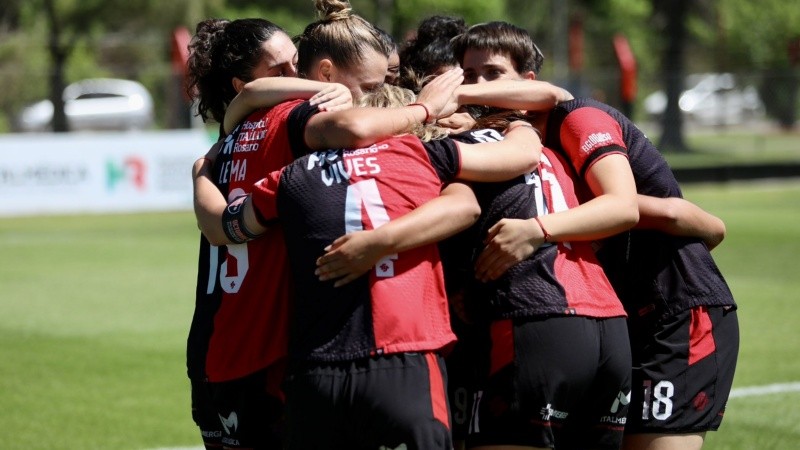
{"x": 231, "y": 272}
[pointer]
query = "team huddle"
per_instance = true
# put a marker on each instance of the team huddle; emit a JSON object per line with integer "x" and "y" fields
{"x": 423, "y": 246}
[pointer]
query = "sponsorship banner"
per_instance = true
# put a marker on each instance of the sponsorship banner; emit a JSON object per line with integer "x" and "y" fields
{"x": 98, "y": 173}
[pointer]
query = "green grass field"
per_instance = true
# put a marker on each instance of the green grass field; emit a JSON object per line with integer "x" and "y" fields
{"x": 94, "y": 313}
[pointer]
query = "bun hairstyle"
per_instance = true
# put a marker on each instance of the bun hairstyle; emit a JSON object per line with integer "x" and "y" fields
{"x": 220, "y": 51}
{"x": 339, "y": 35}
{"x": 333, "y": 9}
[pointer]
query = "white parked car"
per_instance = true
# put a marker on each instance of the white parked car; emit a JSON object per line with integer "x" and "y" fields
{"x": 95, "y": 104}
{"x": 711, "y": 99}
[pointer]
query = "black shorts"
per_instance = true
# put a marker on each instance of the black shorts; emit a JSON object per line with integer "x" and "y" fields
{"x": 389, "y": 401}
{"x": 242, "y": 413}
{"x": 683, "y": 370}
{"x": 560, "y": 382}
{"x": 467, "y": 367}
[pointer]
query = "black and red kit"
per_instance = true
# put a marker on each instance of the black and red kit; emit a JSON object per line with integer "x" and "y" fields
{"x": 651, "y": 271}
{"x": 401, "y": 306}
{"x": 683, "y": 325}
{"x": 240, "y": 323}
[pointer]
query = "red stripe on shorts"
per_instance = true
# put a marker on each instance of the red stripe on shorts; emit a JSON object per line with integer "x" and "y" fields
{"x": 438, "y": 394}
{"x": 502, "y": 332}
{"x": 701, "y": 339}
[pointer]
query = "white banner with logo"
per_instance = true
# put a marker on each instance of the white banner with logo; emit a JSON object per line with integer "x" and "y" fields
{"x": 98, "y": 173}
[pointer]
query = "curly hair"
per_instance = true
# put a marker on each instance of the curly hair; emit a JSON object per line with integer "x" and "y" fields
{"x": 220, "y": 51}
{"x": 429, "y": 51}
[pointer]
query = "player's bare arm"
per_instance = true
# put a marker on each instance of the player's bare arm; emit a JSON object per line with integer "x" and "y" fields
{"x": 680, "y": 217}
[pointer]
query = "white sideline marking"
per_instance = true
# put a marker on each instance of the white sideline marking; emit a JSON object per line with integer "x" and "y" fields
{"x": 179, "y": 448}
{"x": 735, "y": 393}
{"x": 764, "y": 390}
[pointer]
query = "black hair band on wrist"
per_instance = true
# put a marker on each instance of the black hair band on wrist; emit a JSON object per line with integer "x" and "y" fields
{"x": 233, "y": 222}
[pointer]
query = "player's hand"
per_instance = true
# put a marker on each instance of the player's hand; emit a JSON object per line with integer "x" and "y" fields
{"x": 202, "y": 165}
{"x": 439, "y": 95}
{"x": 349, "y": 257}
{"x": 457, "y": 122}
{"x": 335, "y": 97}
{"x": 508, "y": 242}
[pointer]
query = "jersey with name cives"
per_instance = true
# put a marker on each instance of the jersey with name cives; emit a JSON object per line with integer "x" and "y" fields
{"x": 400, "y": 306}
{"x": 558, "y": 279}
{"x": 651, "y": 271}
{"x": 240, "y": 324}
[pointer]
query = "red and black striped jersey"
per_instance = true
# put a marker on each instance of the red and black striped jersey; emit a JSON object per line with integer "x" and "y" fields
{"x": 401, "y": 305}
{"x": 650, "y": 270}
{"x": 240, "y": 323}
{"x": 558, "y": 279}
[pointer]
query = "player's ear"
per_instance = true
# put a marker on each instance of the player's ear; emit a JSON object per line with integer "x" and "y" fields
{"x": 238, "y": 84}
{"x": 325, "y": 69}
{"x": 529, "y": 75}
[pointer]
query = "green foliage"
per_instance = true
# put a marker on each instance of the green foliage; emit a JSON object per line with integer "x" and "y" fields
{"x": 758, "y": 32}
{"x": 408, "y": 13}
{"x": 23, "y": 69}
{"x": 736, "y": 35}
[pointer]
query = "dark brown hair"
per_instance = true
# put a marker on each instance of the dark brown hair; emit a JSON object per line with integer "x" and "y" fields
{"x": 501, "y": 38}
{"x": 220, "y": 51}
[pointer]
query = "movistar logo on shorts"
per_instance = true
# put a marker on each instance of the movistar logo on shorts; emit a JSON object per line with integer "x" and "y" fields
{"x": 230, "y": 423}
{"x": 595, "y": 140}
{"x": 548, "y": 412}
{"x": 399, "y": 447}
{"x": 621, "y": 400}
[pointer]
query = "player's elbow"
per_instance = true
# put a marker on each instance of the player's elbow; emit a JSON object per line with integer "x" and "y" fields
{"x": 533, "y": 153}
{"x": 216, "y": 239}
{"x": 472, "y": 212}
{"x": 717, "y": 234}
{"x": 629, "y": 213}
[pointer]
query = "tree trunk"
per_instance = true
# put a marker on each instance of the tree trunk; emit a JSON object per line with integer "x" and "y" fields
{"x": 60, "y": 124}
{"x": 58, "y": 58}
{"x": 384, "y": 15}
{"x": 675, "y": 11}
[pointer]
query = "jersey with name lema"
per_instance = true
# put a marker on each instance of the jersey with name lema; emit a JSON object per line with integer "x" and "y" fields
{"x": 240, "y": 323}
{"x": 400, "y": 306}
{"x": 649, "y": 269}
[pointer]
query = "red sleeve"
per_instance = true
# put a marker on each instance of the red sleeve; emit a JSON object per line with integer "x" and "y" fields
{"x": 265, "y": 197}
{"x": 587, "y": 135}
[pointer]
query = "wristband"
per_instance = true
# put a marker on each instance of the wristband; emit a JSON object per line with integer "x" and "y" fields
{"x": 547, "y": 236}
{"x": 427, "y": 112}
{"x": 233, "y": 222}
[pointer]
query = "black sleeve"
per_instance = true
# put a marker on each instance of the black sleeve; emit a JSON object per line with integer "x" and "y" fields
{"x": 445, "y": 158}
{"x": 296, "y": 123}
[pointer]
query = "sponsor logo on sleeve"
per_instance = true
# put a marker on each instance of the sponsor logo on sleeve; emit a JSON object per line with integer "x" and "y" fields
{"x": 595, "y": 140}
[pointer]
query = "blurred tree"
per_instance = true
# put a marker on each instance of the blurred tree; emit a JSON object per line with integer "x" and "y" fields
{"x": 764, "y": 35}
{"x": 400, "y": 17}
{"x": 53, "y": 42}
{"x": 673, "y": 14}
{"x": 68, "y": 22}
